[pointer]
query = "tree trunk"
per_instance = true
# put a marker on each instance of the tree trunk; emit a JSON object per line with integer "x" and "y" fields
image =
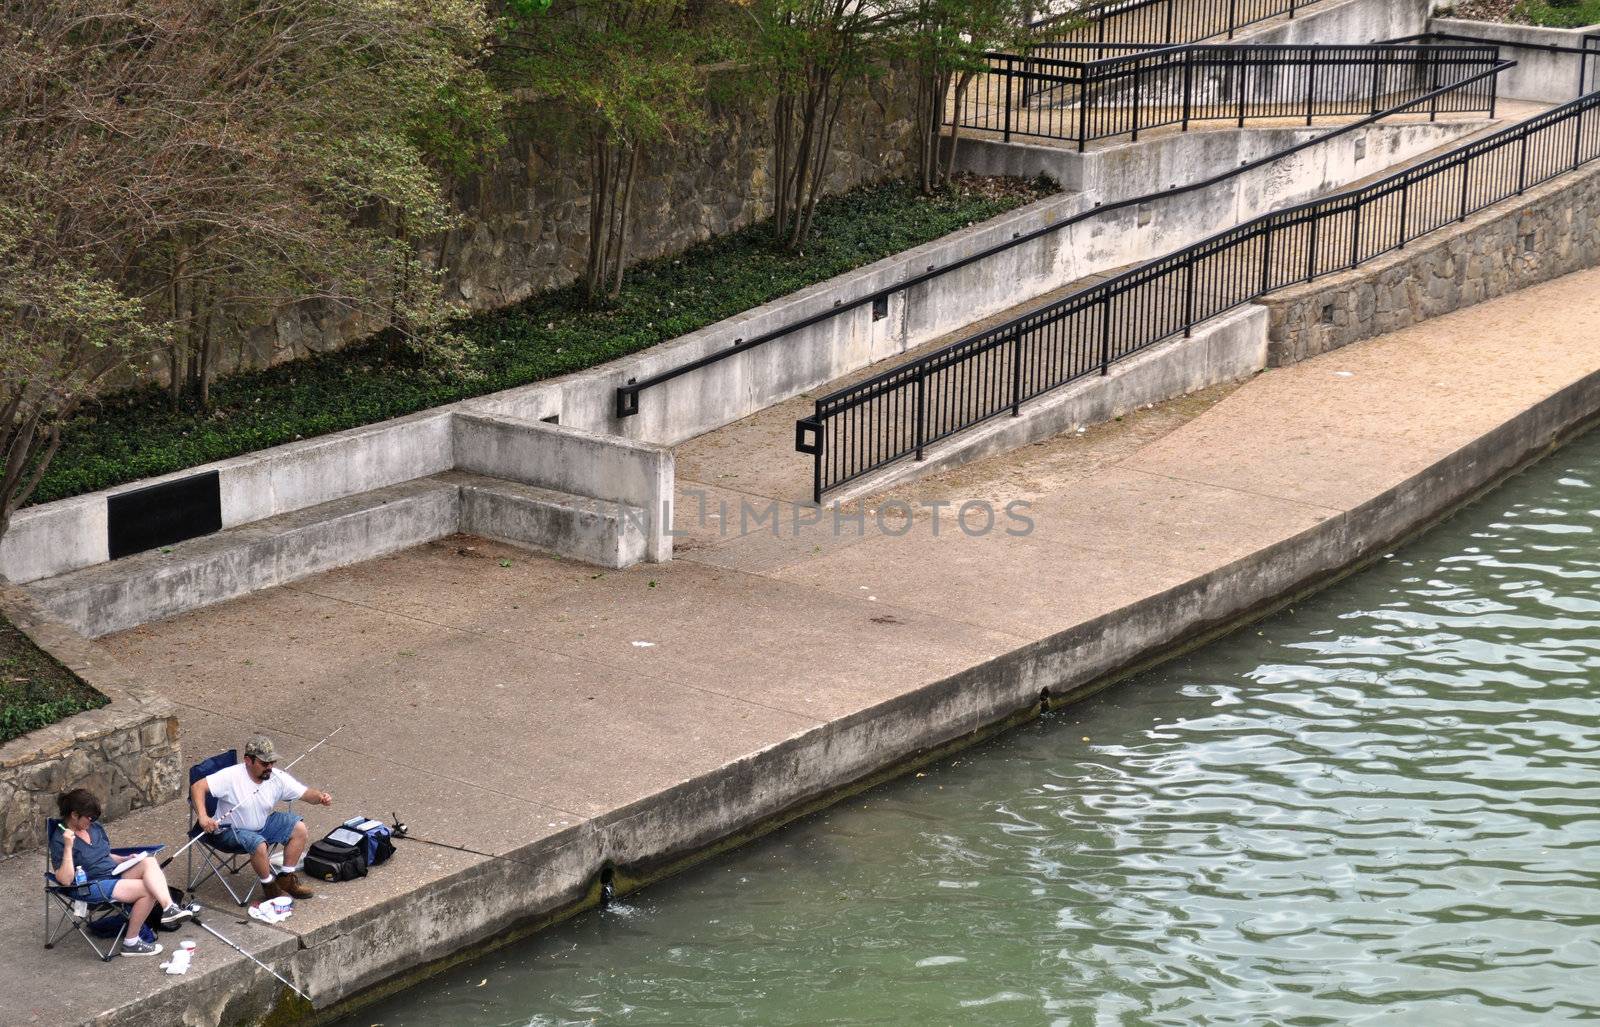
{"x": 204, "y": 359}
{"x": 599, "y": 215}
{"x": 619, "y": 259}
{"x": 955, "y": 128}
{"x": 800, "y": 161}
{"x": 783, "y": 112}
{"x": 820, "y": 171}
{"x": 175, "y": 351}
{"x": 24, "y": 450}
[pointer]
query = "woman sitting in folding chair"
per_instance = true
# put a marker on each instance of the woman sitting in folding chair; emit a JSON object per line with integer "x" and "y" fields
{"x": 82, "y": 842}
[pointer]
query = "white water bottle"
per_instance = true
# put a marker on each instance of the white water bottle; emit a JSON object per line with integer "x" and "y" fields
{"x": 80, "y": 908}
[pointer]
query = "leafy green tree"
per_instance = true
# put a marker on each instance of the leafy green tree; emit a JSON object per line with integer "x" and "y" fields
{"x": 253, "y": 154}
{"x": 618, "y": 80}
{"x": 942, "y": 44}
{"x": 63, "y": 327}
{"x": 817, "y": 56}
{"x": 179, "y": 170}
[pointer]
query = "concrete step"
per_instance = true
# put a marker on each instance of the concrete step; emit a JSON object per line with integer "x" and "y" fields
{"x": 163, "y": 582}
{"x": 578, "y": 527}
{"x": 122, "y": 594}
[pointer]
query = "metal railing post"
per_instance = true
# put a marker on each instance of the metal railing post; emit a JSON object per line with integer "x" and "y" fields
{"x": 1138, "y": 91}
{"x": 1311, "y": 248}
{"x": 1405, "y": 205}
{"x": 1238, "y": 84}
{"x": 1522, "y": 166}
{"x": 1577, "y": 139}
{"x": 1083, "y": 109}
{"x": 1266, "y": 258}
{"x": 1188, "y": 86}
{"x": 816, "y": 464}
{"x": 1016, "y": 373}
{"x": 922, "y": 408}
{"x": 1233, "y": 16}
{"x": 1466, "y": 182}
{"x": 1355, "y": 235}
{"x": 1433, "y": 87}
{"x": 1311, "y": 88}
{"x": 1291, "y": 8}
{"x": 1188, "y": 299}
{"x": 1010, "y": 75}
{"x": 1105, "y": 336}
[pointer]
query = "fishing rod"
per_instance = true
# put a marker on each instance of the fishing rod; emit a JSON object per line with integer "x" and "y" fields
{"x": 607, "y": 887}
{"x": 261, "y": 784}
{"x": 401, "y": 831}
{"x": 240, "y": 949}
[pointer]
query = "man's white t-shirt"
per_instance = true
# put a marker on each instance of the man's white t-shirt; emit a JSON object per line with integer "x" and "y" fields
{"x": 235, "y": 791}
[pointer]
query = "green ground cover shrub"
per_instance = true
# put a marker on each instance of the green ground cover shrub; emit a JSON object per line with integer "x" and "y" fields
{"x": 1561, "y": 14}
{"x": 134, "y": 435}
{"x": 35, "y": 690}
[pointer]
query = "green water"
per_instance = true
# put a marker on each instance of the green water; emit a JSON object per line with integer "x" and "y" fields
{"x": 1381, "y": 807}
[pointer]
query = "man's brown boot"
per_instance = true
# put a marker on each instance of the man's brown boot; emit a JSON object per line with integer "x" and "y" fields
{"x": 289, "y": 884}
{"x": 271, "y": 889}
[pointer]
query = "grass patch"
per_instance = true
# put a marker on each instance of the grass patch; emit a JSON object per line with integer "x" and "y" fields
{"x": 135, "y": 434}
{"x": 1558, "y": 14}
{"x": 35, "y": 690}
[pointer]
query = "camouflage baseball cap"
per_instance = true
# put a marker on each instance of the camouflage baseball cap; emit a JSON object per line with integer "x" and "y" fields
{"x": 260, "y": 746}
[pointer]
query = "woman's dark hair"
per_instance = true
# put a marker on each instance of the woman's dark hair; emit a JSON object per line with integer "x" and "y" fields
{"x": 80, "y": 801}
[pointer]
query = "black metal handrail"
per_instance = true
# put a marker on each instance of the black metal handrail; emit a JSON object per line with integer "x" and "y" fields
{"x": 627, "y": 395}
{"x": 1166, "y": 21}
{"x": 898, "y": 413}
{"x": 1589, "y": 47}
{"x": 1043, "y": 94}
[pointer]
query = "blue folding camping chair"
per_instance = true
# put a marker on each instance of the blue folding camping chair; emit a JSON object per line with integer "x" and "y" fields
{"x": 78, "y": 911}
{"x": 217, "y": 859}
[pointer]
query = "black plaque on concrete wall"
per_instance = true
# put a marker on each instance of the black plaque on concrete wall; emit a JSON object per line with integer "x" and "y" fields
{"x": 159, "y": 515}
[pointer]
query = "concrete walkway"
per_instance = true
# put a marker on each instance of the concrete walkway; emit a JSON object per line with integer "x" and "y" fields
{"x": 564, "y": 718}
{"x": 755, "y": 456}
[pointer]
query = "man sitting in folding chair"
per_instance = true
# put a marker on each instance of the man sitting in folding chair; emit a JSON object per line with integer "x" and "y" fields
{"x": 233, "y": 805}
{"x": 77, "y": 842}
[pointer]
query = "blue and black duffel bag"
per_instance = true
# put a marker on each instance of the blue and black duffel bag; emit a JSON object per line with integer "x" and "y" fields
{"x": 379, "y": 846}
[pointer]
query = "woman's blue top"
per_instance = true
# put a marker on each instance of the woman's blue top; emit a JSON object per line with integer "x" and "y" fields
{"x": 93, "y": 855}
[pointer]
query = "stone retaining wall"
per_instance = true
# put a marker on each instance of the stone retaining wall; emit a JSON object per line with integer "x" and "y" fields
{"x": 526, "y": 214}
{"x": 1547, "y": 232}
{"x": 125, "y": 752}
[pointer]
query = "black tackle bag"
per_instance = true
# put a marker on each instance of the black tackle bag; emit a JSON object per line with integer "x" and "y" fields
{"x": 341, "y": 856}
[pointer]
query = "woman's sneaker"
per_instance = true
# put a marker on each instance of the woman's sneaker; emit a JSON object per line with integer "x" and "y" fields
{"x": 174, "y": 915}
{"x": 140, "y": 947}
